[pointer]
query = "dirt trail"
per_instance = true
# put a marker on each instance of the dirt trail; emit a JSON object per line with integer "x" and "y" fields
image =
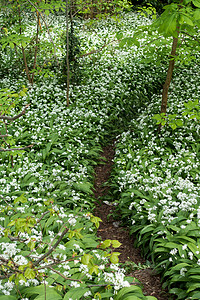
{"x": 110, "y": 229}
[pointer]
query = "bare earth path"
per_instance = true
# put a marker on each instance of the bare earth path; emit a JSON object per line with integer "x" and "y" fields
{"x": 109, "y": 229}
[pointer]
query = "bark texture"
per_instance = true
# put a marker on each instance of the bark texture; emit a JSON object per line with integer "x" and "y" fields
{"x": 169, "y": 76}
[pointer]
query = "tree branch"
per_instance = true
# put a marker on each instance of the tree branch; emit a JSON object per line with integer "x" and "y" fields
{"x": 3, "y": 135}
{"x": 15, "y": 117}
{"x": 45, "y": 213}
{"x": 15, "y": 149}
{"x": 46, "y": 27}
{"x": 63, "y": 276}
{"x": 190, "y": 35}
{"x": 52, "y": 249}
{"x": 7, "y": 202}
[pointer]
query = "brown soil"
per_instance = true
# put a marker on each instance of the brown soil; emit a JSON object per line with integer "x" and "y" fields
{"x": 111, "y": 229}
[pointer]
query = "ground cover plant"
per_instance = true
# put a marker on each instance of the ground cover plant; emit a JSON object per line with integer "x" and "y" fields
{"x": 156, "y": 181}
{"x": 48, "y": 244}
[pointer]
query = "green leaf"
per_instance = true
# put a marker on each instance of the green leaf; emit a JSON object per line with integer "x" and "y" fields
{"x": 179, "y": 122}
{"x": 197, "y": 14}
{"x": 83, "y": 187}
{"x": 122, "y": 43}
{"x": 85, "y": 259}
{"x": 47, "y": 12}
{"x": 131, "y": 297}
{"x": 106, "y": 244}
{"x": 96, "y": 221}
{"x": 193, "y": 286}
{"x": 41, "y": 291}
{"x": 196, "y": 3}
{"x": 169, "y": 25}
{"x": 7, "y": 297}
{"x": 22, "y": 93}
{"x": 177, "y": 268}
{"x": 188, "y": 20}
{"x": 75, "y": 293}
{"x": 94, "y": 269}
{"x": 29, "y": 273}
{"x": 114, "y": 257}
{"x": 119, "y": 35}
{"x": 148, "y": 228}
{"x": 172, "y": 125}
{"x": 126, "y": 290}
{"x": 11, "y": 45}
{"x": 49, "y": 296}
{"x": 116, "y": 244}
{"x": 21, "y": 199}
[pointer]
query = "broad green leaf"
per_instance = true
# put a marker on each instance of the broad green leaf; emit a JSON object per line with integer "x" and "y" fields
{"x": 75, "y": 293}
{"x": 196, "y": 3}
{"x": 22, "y": 93}
{"x": 126, "y": 290}
{"x": 83, "y": 187}
{"x": 193, "y": 286}
{"x": 49, "y": 295}
{"x": 21, "y": 199}
{"x": 131, "y": 297}
{"x": 169, "y": 24}
{"x": 197, "y": 14}
{"x": 116, "y": 244}
{"x": 11, "y": 45}
{"x": 148, "y": 228}
{"x": 106, "y": 244}
{"x": 41, "y": 290}
{"x": 47, "y": 12}
{"x": 136, "y": 42}
{"x": 123, "y": 43}
{"x": 114, "y": 257}
{"x": 119, "y": 35}
{"x": 94, "y": 269}
{"x": 179, "y": 122}
{"x": 85, "y": 259}
{"x": 188, "y": 20}
{"x": 96, "y": 221}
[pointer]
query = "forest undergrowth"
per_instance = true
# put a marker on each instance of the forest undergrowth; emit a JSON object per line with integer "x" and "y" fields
{"x": 49, "y": 247}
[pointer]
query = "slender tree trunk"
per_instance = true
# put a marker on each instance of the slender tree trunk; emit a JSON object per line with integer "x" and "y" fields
{"x": 23, "y": 50}
{"x": 36, "y": 46}
{"x": 67, "y": 48}
{"x": 169, "y": 76}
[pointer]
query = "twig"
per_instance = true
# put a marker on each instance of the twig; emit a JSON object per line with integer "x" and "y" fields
{"x": 6, "y": 202}
{"x": 15, "y": 149}
{"x": 66, "y": 278}
{"x": 191, "y": 36}
{"x": 52, "y": 249}
{"x": 46, "y": 27}
{"x": 45, "y": 213}
{"x": 15, "y": 117}
{"x": 3, "y": 135}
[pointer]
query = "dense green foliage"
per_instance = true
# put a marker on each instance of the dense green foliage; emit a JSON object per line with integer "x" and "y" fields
{"x": 48, "y": 242}
{"x": 156, "y": 182}
{"x": 48, "y": 245}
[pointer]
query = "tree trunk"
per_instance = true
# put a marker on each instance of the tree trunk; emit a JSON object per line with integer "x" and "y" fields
{"x": 169, "y": 76}
{"x": 67, "y": 49}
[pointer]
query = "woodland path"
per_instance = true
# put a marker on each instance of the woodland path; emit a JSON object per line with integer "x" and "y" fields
{"x": 110, "y": 229}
